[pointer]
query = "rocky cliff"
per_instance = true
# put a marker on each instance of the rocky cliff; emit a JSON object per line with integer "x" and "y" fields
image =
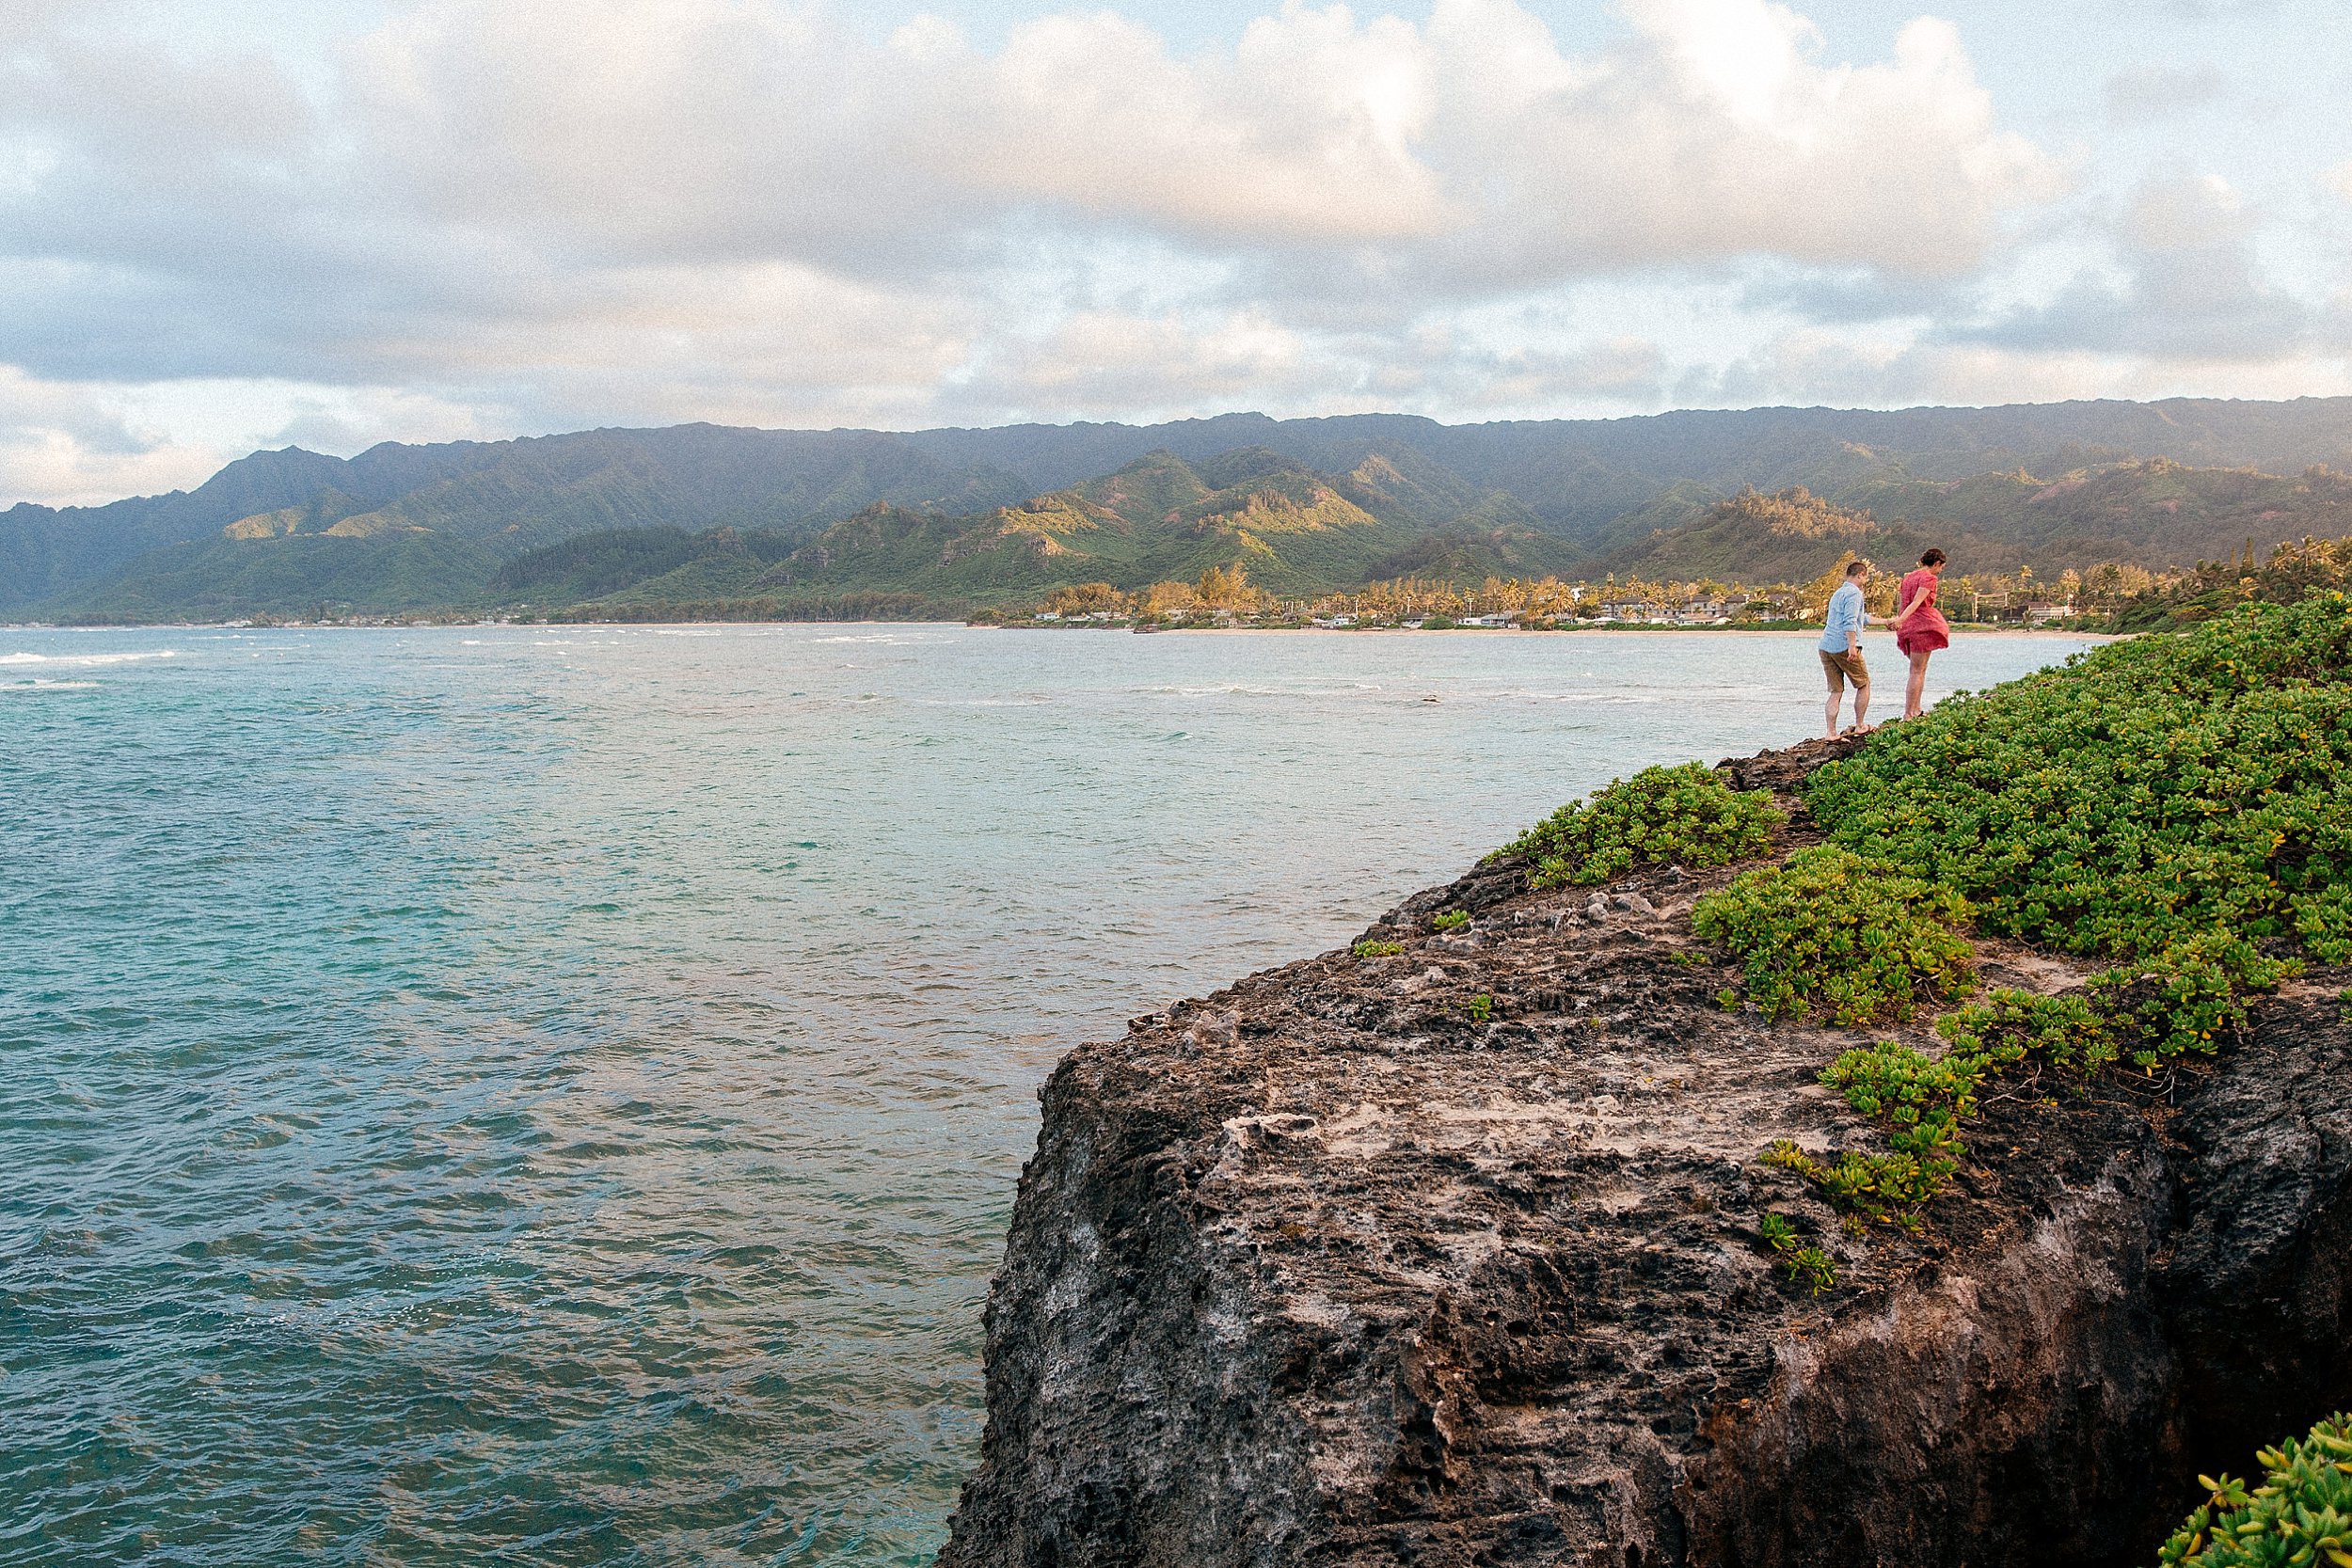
{"x": 1451, "y": 1258}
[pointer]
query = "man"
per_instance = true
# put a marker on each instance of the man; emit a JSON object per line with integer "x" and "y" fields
{"x": 1841, "y": 648}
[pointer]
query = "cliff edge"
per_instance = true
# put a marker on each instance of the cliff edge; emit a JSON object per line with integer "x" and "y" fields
{"x": 1451, "y": 1258}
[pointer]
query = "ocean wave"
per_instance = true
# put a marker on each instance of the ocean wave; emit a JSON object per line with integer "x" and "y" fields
{"x": 81, "y": 659}
{"x": 48, "y": 686}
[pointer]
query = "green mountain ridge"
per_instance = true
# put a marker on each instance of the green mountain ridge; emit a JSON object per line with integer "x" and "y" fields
{"x": 699, "y": 512}
{"x": 2158, "y": 514}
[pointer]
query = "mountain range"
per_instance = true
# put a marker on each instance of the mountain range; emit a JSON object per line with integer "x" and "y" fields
{"x": 943, "y": 520}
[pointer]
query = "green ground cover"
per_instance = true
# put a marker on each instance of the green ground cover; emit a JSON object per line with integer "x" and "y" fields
{"x": 2178, "y": 806}
{"x": 1684, "y": 815}
{"x": 1829, "y": 935}
{"x": 2299, "y": 1517}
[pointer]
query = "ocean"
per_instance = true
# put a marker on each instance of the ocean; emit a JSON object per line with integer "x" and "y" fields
{"x": 554, "y": 1096}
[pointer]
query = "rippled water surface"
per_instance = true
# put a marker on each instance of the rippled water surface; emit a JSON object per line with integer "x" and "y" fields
{"x": 510, "y": 1096}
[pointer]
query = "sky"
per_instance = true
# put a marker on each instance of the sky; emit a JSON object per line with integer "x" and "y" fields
{"x": 234, "y": 224}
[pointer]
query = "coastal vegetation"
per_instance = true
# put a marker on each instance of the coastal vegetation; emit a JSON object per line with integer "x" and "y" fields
{"x": 2293, "y": 570}
{"x": 1800, "y": 1260}
{"x": 2171, "y": 806}
{"x": 1831, "y": 935}
{"x": 1662, "y": 816}
{"x": 2299, "y": 1517}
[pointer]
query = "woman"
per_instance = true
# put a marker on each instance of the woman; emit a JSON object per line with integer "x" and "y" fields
{"x": 1920, "y": 626}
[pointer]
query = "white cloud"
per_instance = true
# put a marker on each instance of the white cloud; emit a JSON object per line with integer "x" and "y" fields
{"x": 527, "y": 215}
{"x": 1846, "y": 370}
{"x": 2184, "y": 214}
{"x": 69, "y": 444}
{"x": 735, "y": 128}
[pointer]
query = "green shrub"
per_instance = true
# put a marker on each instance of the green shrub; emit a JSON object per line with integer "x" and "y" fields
{"x": 2008, "y": 1025}
{"x": 1923, "y": 1098}
{"x": 1683, "y": 815}
{"x": 2161, "y": 796}
{"x": 2301, "y": 1517}
{"x": 2171, "y": 805}
{"x": 1812, "y": 1265}
{"x": 1889, "y": 1188}
{"x": 1808, "y": 1263}
{"x": 1372, "y": 949}
{"x": 2185, "y": 997}
{"x": 1828, "y": 934}
{"x": 1452, "y": 920}
{"x": 1481, "y": 1008}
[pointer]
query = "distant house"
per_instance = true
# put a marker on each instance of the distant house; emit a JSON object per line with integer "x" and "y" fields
{"x": 1484, "y": 621}
{"x": 2038, "y": 612}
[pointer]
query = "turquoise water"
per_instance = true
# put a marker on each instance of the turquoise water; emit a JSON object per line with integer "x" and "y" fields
{"x": 504, "y": 1096}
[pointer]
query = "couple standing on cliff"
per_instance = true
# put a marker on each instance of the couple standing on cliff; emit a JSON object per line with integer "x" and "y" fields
{"x": 1920, "y": 629}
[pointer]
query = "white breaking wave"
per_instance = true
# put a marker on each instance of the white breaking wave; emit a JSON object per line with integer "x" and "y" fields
{"x": 81, "y": 659}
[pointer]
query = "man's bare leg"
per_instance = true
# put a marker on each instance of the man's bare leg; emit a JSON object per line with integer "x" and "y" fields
{"x": 1836, "y": 698}
{"x": 1861, "y": 705}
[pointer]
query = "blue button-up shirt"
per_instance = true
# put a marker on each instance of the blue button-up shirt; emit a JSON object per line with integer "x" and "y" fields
{"x": 1846, "y": 615}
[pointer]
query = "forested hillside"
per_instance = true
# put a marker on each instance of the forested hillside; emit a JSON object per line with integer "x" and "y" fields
{"x": 944, "y": 521}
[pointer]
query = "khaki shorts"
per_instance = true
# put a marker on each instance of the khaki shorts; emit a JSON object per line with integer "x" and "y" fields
{"x": 1840, "y": 668}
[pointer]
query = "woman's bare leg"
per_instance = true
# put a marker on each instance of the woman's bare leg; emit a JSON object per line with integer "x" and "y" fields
{"x": 1918, "y": 686}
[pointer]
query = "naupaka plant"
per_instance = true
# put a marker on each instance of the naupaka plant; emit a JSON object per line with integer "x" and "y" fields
{"x": 1829, "y": 935}
{"x": 2179, "y": 806}
{"x": 1685, "y": 815}
{"x": 2299, "y": 1517}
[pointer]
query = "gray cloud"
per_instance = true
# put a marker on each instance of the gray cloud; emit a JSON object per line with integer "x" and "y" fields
{"x": 2186, "y": 286}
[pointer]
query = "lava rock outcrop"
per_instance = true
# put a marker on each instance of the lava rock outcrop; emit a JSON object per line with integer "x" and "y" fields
{"x": 1451, "y": 1258}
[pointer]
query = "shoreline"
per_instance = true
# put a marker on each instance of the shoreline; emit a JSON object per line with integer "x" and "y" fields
{"x": 1958, "y": 630}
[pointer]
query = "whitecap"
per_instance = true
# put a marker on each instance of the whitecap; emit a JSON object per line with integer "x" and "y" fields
{"x": 86, "y": 658}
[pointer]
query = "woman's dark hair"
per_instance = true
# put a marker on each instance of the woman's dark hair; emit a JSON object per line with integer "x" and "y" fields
{"x": 1933, "y": 558}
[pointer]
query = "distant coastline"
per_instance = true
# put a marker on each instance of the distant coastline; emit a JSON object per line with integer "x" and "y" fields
{"x": 413, "y": 623}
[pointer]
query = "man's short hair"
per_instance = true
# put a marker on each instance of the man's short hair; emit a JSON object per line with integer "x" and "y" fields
{"x": 1856, "y": 568}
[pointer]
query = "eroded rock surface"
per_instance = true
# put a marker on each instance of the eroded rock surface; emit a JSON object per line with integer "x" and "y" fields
{"x": 1345, "y": 1264}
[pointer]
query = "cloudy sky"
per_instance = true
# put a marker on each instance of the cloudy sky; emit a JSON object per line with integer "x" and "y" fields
{"x": 226, "y": 223}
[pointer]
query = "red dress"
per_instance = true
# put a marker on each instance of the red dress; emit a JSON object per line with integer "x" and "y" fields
{"x": 1927, "y": 630}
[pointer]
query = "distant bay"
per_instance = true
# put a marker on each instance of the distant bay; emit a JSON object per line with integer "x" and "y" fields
{"x": 516, "y": 1095}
